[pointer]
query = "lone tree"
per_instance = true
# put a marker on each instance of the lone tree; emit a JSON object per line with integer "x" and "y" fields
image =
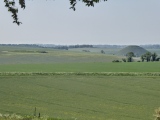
{"x": 146, "y": 56}
{"x": 142, "y": 58}
{"x": 153, "y": 57}
{"x": 11, "y": 5}
{"x": 129, "y": 56}
{"x": 102, "y": 51}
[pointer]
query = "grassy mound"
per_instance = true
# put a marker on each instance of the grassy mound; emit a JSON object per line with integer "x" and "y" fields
{"x": 138, "y": 51}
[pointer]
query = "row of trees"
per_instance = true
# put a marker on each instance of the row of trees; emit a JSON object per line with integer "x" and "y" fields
{"x": 65, "y": 47}
{"x": 145, "y": 57}
{"x": 150, "y": 57}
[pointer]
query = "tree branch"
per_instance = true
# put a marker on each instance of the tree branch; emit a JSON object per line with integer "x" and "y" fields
{"x": 10, "y": 4}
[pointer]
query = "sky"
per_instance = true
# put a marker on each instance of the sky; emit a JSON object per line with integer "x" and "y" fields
{"x": 115, "y": 22}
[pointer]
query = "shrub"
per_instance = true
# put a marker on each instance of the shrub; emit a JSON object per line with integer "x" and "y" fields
{"x": 102, "y": 51}
{"x": 42, "y": 51}
{"x": 116, "y": 61}
{"x": 123, "y": 59}
{"x": 85, "y": 50}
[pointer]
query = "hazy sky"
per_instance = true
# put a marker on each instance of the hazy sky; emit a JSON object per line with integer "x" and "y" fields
{"x": 112, "y": 22}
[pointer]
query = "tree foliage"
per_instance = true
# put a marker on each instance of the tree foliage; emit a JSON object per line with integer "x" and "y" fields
{"x": 142, "y": 58}
{"x": 124, "y": 60}
{"x": 149, "y": 57}
{"x": 129, "y": 56}
{"x": 102, "y": 51}
{"x": 11, "y": 5}
{"x": 153, "y": 57}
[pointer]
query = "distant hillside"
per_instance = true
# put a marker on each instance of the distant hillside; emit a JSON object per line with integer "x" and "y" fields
{"x": 137, "y": 50}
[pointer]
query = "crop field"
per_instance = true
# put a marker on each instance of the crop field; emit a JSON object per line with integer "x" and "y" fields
{"x": 81, "y": 97}
{"x": 77, "y": 85}
{"x": 26, "y": 56}
{"x": 82, "y": 67}
{"x": 24, "y": 59}
{"x": 109, "y": 51}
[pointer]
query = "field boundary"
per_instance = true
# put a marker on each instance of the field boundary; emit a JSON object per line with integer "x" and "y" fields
{"x": 80, "y": 73}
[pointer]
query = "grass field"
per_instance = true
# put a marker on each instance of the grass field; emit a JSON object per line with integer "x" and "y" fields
{"x": 81, "y": 97}
{"x": 29, "y": 55}
{"x": 82, "y": 92}
{"x": 83, "y": 67}
{"x": 108, "y": 51}
{"x": 52, "y": 56}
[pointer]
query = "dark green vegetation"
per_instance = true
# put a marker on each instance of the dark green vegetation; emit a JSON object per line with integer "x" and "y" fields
{"x": 81, "y": 97}
{"x": 138, "y": 51}
{"x": 129, "y": 56}
{"x": 150, "y": 57}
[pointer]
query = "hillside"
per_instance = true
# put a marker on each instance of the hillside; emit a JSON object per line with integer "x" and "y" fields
{"x": 28, "y": 55}
{"x": 137, "y": 50}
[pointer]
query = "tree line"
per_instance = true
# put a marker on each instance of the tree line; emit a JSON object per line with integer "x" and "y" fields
{"x": 148, "y": 56}
{"x": 66, "y": 47}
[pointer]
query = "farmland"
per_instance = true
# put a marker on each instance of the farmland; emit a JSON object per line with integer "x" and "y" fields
{"x": 82, "y": 67}
{"x": 26, "y": 56}
{"x": 81, "y": 97}
{"x": 77, "y": 85}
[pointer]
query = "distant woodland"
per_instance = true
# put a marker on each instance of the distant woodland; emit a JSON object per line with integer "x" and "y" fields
{"x": 155, "y": 46}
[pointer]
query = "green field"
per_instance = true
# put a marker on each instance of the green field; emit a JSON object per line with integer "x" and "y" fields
{"x": 81, "y": 97}
{"x": 82, "y": 67}
{"x": 29, "y": 55}
{"x": 53, "y": 56}
{"x": 76, "y": 85}
{"x": 108, "y": 51}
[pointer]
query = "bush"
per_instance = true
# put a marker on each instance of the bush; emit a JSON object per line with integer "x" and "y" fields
{"x": 102, "y": 51}
{"x": 157, "y": 59}
{"x": 116, "y": 61}
{"x": 123, "y": 59}
{"x": 85, "y": 50}
{"x": 42, "y": 51}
